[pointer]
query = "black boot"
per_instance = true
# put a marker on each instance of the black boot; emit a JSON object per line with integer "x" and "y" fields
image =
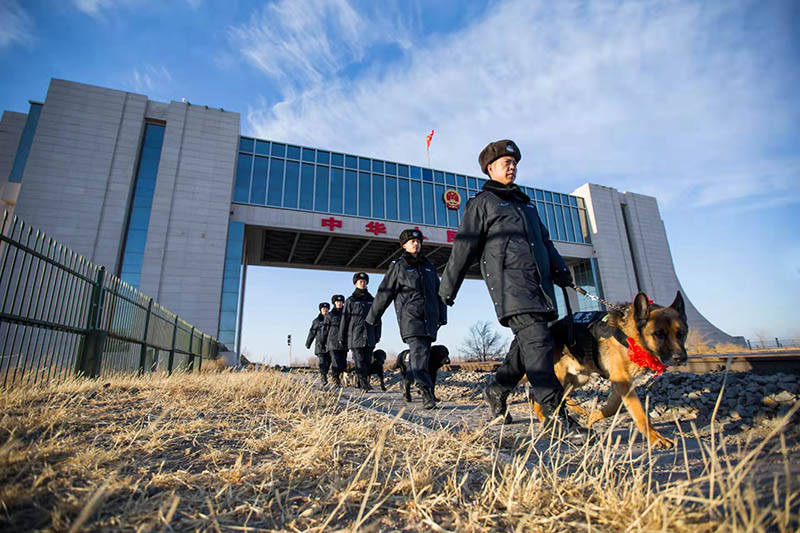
{"x": 324, "y": 379}
{"x": 428, "y": 402}
{"x": 561, "y": 425}
{"x": 362, "y": 384}
{"x": 336, "y": 381}
{"x": 496, "y": 396}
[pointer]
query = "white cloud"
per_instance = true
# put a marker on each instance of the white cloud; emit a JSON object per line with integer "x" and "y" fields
{"x": 678, "y": 100}
{"x": 150, "y": 78}
{"x": 15, "y": 24}
{"x": 95, "y": 8}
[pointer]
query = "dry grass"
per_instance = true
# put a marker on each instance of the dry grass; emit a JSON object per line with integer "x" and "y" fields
{"x": 696, "y": 344}
{"x": 253, "y": 451}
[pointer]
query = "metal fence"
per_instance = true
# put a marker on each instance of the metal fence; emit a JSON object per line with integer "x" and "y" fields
{"x": 62, "y": 316}
{"x": 760, "y": 344}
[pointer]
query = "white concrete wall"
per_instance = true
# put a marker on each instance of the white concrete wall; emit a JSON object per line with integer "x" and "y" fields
{"x": 11, "y": 126}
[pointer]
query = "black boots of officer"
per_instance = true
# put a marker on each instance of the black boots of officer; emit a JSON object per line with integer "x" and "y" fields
{"x": 337, "y": 382}
{"x": 496, "y": 396}
{"x": 561, "y": 425}
{"x": 363, "y": 383}
{"x": 428, "y": 401}
{"x": 324, "y": 377}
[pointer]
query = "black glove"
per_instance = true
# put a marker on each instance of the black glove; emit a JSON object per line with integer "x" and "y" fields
{"x": 448, "y": 301}
{"x": 562, "y": 277}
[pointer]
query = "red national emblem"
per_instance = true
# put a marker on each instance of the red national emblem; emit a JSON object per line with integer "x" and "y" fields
{"x": 331, "y": 223}
{"x": 376, "y": 227}
{"x": 451, "y": 235}
{"x": 452, "y": 200}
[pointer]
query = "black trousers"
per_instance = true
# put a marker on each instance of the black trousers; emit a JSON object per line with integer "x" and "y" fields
{"x": 531, "y": 354}
{"x": 339, "y": 360}
{"x": 419, "y": 355}
{"x": 324, "y": 363}
{"x": 362, "y": 358}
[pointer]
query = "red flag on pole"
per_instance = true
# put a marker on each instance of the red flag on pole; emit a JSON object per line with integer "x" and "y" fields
{"x": 429, "y": 137}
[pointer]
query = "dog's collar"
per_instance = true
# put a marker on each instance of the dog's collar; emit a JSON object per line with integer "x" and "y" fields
{"x": 640, "y": 357}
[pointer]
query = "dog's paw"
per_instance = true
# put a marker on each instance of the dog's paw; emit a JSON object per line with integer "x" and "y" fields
{"x": 660, "y": 442}
{"x": 595, "y": 417}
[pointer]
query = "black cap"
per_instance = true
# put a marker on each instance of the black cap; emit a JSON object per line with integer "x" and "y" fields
{"x": 496, "y": 150}
{"x": 360, "y": 275}
{"x": 337, "y": 298}
{"x": 408, "y": 234}
{"x": 326, "y": 305}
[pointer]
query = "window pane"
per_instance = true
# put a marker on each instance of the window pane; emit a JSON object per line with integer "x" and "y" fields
{"x": 472, "y": 183}
{"x": 275, "y": 185}
{"x": 438, "y": 176}
{"x": 452, "y": 216}
{"x": 258, "y": 189}
{"x": 570, "y": 228}
{"x": 308, "y": 155}
{"x": 307, "y": 187}
{"x": 351, "y": 161}
{"x": 580, "y": 202}
{"x": 290, "y": 184}
{"x": 350, "y": 192}
{"x": 462, "y": 181}
{"x": 430, "y": 206}
{"x": 292, "y": 152}
{"x": 242, "y": 189}
{"x": 551, "y": 222}
{"x": 377, "y": 197}
{"x": 427, "y": 174}
{"x": 323, "y": 157}
{"x": 416, "y": 201}
{"x": 450, "y": 179}
{"x": 583, "y": 225}
{"x": 245, "y": 144}
{"x": 441, "y": 210}
{"x": 337, "y": 184}
{"x": 364, "y": 164}
{"x": 278, "y": 150}
{"x": 337, "y": 160}
{"x": 542, "y": 214}
{"x": 262, "y": 147}
{"x": 402, "y": 195}
{"x": 364, "y": 199}
{"x": 562, "y": 234}
{"x": 391, "y": 198}
{"x": 464, "y": 198}
{"x": 391, "y": 169}
{"x": 548, "y": 196}
{"x": 539, "y": 195}
{"x": 416, "y": 173}
{"x": 402, "y": 171}
{"x": 377, "y": 166}
{"x": 573, "y": 201}
{"x": 321, "y": 189}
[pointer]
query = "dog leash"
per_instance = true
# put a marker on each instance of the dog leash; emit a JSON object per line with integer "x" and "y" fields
{"x": 584, "y": 292}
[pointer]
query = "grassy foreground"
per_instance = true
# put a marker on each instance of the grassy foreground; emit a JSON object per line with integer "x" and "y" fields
{"x": 258, "y": 451}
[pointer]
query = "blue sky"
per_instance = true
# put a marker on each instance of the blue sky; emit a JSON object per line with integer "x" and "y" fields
{"x": 692, "y": 102}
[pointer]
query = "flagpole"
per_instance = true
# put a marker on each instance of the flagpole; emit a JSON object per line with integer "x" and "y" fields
{"x": 429, "y": 156}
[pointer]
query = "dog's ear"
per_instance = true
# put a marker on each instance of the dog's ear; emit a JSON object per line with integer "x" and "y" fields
{"x": 641, "y": 308}
{"x": 679, "y": 306}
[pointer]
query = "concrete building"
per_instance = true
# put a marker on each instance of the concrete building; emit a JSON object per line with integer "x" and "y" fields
{"x": 171, "y": 198}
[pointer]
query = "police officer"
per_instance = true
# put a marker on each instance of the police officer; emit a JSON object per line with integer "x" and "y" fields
{"x": 359, "y": 337}
{"x": 333, "y": 345}
{"x": 316, "y": 334}
{"x": 412, "y": 282}
{"x": 501, "y": 228}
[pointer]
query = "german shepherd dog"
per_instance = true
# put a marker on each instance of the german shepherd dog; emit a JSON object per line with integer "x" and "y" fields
{"x": 660, "y": 331}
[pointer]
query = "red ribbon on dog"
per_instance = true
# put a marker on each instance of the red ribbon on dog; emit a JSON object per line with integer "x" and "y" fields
{"x": 639, "y": 356}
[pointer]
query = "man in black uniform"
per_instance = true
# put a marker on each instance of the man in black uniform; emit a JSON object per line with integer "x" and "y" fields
{"x": 501, "y": 229}
{"x": 355, "y": 333}
{"x": 317, "y": 334}
{"x": 413, "y": 284}
{"x": 334, "y": 346}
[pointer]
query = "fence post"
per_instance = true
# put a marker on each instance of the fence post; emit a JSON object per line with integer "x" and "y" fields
{"x": 200, "y": 359}
{"x": 143, "y": 352}
{"x": 749, "y": 346}
{"x": 778, "y": 343}
{"x": 91, "y": 357}
{"x": 191, "y": 353}
{"x": 172, "y": 350}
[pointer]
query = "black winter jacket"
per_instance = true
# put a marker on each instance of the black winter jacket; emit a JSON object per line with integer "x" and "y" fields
{"x": 413, "y": 284}
{"x": 501, "y": 228}
{"x": 333, "y": 321}
{"x": 355, "y": 332}
{"x": 317, "y": 334}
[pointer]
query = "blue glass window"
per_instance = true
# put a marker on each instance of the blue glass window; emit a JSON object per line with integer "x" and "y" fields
{"x": 416, "y": 201}
{"x": 258, "y": 189}
{"x": 321, "y": 189}
{"x": 463, "y": 205}
{"x": 307, "y": 187}
{"x": 337, "y": 160}
{"x": 364, "y": 164}
{"x": 364, "y": 199}
{"x": 548, "y": 196}
{"x": 323, "y": 157}
{"x": 350, "y": 192}
{"x": 275, "y": 185}
{"x": 427, "y": 174}
{"x": 438, "y": 176}
{"x": 291, "y": 182}
{"x": 551, "y": 222}
{"x": 583, "y": 224}
{"x": 391, "y": 198}
{"x": 308, "y": 155}
{"x": 377, "y": 197}
{"x": 391, "y": 169}
{"x": 416, "y": 173}
{"x": 441, "y": 210}
{"x": 559, "y": 214}
{"x": 377, "y": 166}
{"x": 278, "y": 150}
{"x": 573, "y": 201}
{"x": 262, "y": 148}
{"x": 229, "y": 310}
{"x": 402, "y": 195}
{"x": 570, "y": 228}
{"x": 452, "y": 216}
{"x": 472, "y": 183}
{"x": 351, "y": 161}
{"x": 481, "y": 183}
{"x": 539, "y": 195}
{"x": 580, "y": 202}
{"x": 402, "y": 171}
{"x": 245, "y": 144}
{"x": 462, "y": 181}
{"x": 292, "y": 152}
{"x": 430, "y": 204}
{"x": 337, "y": 184}
{"x": 25, "y": 143}
{"x": 450, "y": 179}
{"x": 242, "y": 188}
